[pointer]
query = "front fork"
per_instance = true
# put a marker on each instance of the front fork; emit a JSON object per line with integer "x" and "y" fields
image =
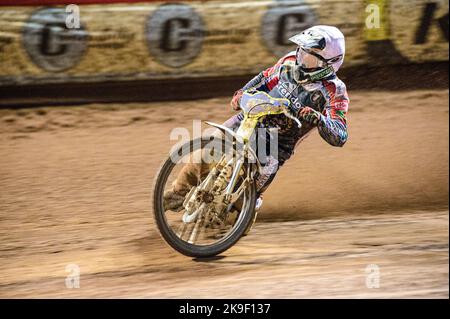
{"x": 218, "y": 172}
{"x": 233, "y": 179}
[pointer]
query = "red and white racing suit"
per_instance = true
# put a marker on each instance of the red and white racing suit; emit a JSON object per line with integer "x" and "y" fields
{"x": 327, "y": 96}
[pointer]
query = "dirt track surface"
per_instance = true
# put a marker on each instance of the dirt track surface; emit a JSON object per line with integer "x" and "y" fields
{"x": 76, "y": 185}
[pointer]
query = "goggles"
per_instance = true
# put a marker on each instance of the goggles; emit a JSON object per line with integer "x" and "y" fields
{"x": 310, "y": 60}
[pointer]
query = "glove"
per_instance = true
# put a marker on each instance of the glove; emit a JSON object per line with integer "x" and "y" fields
{"x": 236, "y": 100}
{"x": 310, "y": 115}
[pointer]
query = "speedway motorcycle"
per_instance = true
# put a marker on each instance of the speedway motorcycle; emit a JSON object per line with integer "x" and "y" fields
{"x": 219, "y": 208}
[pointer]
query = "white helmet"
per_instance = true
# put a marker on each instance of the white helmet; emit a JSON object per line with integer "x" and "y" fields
{"x": 320, "y": 52}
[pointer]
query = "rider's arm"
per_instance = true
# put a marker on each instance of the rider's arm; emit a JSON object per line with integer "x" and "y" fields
{"x": 333, "y": 123}
{"x": 257, "y": 83}
{"x": 265, "y": 81}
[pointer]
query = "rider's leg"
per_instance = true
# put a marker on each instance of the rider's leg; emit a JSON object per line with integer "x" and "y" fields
{"x": 273, "y": 162}
{"x": 278, "y": 149}
{"x": 267, "y": 175}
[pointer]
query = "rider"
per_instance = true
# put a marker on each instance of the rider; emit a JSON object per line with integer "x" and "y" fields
{"x": 307, "y": 78}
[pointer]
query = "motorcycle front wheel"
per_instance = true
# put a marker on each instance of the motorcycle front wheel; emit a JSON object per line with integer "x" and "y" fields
{"x": 210, "y": 238}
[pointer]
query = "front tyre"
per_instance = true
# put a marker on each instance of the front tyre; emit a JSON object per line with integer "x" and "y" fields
{"x": 170, "y": 224}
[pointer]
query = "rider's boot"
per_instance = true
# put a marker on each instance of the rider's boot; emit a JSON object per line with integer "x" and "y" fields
{"x": 173, "y": 200}
{"x": 188, "y": 177}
